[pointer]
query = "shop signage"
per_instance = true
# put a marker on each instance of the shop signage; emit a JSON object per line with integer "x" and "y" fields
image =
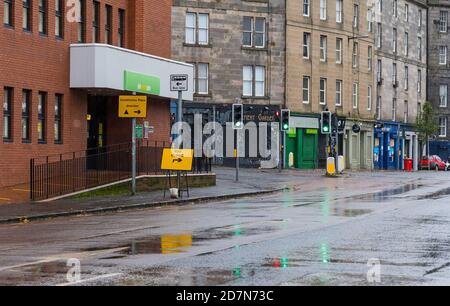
{"x": 141, "y": 83}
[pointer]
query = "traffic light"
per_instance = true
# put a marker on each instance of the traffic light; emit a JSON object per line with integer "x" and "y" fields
{"x": 238, "y": 116}
{"x": 285, "y": 118}
{"x": 325, "y": 122}
{"x": 277, "y": 116}
{"x": 334, "y": 124}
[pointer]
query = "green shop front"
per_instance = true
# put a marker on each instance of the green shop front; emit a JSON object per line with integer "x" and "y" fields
{"x": 301, "y": 143}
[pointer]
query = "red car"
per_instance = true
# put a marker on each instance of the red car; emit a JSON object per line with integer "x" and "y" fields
{"x": 433, "y": 162}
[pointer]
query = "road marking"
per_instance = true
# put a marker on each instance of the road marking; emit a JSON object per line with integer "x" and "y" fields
{"x": 121, "y": 232}
{"x": 89, "y": 279}
{"x": 64, "y": 257}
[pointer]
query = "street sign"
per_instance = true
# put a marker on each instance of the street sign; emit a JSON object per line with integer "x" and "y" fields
{"x": 139, "y": 131}
{"x": 341, "y": 123}
{"x": 356, "y": 128}
{"x": 179, "y": 82}
{"x": 177, "y": 159}
{"x": 132, "y": 106}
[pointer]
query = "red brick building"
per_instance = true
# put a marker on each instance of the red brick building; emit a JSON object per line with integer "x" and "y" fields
{"x": 52, "y": 61}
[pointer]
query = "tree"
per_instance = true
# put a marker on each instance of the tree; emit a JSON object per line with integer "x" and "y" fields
{"x": 426, "y": 125}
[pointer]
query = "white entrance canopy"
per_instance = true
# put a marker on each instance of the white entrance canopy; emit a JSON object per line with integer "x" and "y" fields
{"x": 106, "y": 67}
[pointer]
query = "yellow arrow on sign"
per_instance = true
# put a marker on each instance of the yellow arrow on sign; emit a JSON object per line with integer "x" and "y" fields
{"x": 132, "y": 106}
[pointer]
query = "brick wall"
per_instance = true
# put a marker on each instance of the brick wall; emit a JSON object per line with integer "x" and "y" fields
{"x": 29, "y": 60}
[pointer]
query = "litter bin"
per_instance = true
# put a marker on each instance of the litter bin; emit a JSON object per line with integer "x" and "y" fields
{"x": 408, "y": 164}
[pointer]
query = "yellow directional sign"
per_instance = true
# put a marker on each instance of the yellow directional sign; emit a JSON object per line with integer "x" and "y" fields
{"x": 132, "y": 106}
{"x": 177, "y": 159}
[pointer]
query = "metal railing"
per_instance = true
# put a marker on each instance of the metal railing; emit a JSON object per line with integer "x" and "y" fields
{"x": 56, "y": 175}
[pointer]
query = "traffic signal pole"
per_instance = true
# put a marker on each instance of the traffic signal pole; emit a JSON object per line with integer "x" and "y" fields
{"x": 237, "y": 114}
{"x": 237, "y": 155}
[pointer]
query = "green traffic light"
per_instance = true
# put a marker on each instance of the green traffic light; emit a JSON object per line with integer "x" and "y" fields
{"x": 238, "y": 123}
{"x": 285, "y": 126}
{"x": 326, "y": 129}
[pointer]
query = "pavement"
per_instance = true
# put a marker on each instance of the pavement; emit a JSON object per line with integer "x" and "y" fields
{"x": 252, "y": 182}
{"x": 15, "y": 194}
{"x": 365, "y": 228}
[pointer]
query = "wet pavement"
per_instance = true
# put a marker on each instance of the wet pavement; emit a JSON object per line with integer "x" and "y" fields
{"x": 320, "y": 231}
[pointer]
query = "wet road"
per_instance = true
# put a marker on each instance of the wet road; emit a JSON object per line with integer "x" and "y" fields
{"x": 321, "y": 235}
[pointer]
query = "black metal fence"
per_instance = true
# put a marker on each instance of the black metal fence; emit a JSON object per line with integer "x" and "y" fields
{"x": 61, "y": 174}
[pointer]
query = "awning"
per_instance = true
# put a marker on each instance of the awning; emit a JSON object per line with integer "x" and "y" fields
{"x": 106, "y": 67}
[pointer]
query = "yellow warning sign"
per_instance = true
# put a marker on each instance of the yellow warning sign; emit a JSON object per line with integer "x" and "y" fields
{"x": 177, "y": 159}
{"x": 132, "y": 106}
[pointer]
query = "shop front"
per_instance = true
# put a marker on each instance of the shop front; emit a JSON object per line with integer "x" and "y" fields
{"x": 387, "y": 146}
{"x": 395, "y": 143}
{"x": 358, "y": 145}
{"x": 301, "y": 149}
{"x": 104, "y": 72}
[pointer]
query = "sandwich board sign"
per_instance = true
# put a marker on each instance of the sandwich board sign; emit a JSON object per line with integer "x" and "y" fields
{"x": 177, "y": 159}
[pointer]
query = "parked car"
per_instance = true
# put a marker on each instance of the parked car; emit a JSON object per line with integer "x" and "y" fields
{"x": 434, "y": 162}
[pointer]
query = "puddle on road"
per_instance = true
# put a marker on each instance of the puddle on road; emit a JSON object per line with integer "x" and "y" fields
{"x": 33, "y": 274}
{"x": 346, "y": 212}
{"x": 168, "y": 276}
{"x": 180, "y": 243}
{"x": 385, "y": 194}
{"x": 436, "y": 195}
{"x": 288, "y": 262}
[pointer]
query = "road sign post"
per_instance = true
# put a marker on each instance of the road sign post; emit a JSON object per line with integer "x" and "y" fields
{"x": 133, "y": 107}
{"x": 179, "y": 82}
{"x": 133, "y": 156}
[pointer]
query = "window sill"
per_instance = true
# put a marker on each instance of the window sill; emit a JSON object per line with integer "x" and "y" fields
{"x": 8, "y": 26}
{"x": 255, "y": 98}
{"x": 197, "y": 95}
{"x": 7, "y": 140}
{"x": 197, "y": 45}
{"x": 26, "y": 141}
{"x": 58, "y": 142}
{"x": 43, "y": 35}
{"x": 247, "y": 48}
{"x": 42, "y": 142}
{"x": 27, "y": 31}
{"x": 60, "y": 38}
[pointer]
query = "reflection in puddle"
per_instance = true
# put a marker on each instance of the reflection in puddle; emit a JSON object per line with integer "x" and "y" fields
{"x": 165, "y": 244}
{"x": 344, "y": 212}
{"x": 436, "y": 195}
{"x": 179, "y": 243}
{"x": 386, "y": 194}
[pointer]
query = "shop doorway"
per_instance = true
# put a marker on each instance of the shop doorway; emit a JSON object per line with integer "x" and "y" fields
{"x": 96, "y": 126}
